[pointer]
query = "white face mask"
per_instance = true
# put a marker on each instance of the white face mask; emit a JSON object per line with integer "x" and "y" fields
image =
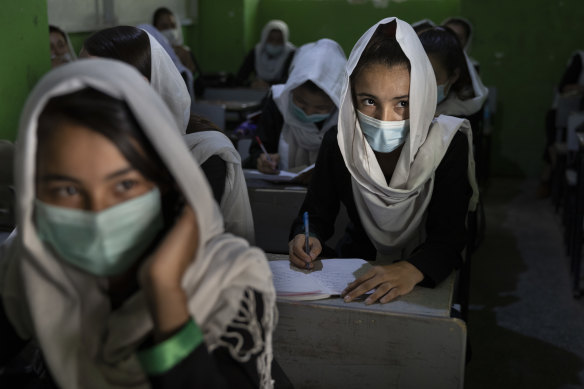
{"x": 173, "y": 36}
{"x": 383, "y": 136}
{"x": 442, "y": 91}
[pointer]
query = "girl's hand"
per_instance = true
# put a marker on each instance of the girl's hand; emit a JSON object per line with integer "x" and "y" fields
{"x": 298, "y": 255}
{"x": 265, "y": 166}
{"x": 161, "y": 275}
{"x": 390, "y": 281}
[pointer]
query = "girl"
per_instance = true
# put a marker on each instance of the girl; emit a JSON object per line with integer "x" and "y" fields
{"x": 460, "y": 90}
{"x": 299, "y": 113}
{"x": 169, "y": 26}
{"x": 405, "y": 177}
{"x": 269, "y": 59}
{"x": 120, "y": 269}
{"x": 139, "y": 49}
{"x": 61, "y": 48}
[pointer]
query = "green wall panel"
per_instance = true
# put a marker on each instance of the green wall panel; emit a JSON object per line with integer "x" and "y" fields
{"x": 523, "y": 47}
{"x": 25, "y": 43}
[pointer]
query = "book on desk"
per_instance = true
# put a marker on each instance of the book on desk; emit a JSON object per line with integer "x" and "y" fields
{"x": 328, "y": 278}
{"x": 283, "y": 176}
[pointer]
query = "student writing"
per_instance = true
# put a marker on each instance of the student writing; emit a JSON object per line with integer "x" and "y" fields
{"x": 405, "y": 177}
{"x": 297, "y": 114}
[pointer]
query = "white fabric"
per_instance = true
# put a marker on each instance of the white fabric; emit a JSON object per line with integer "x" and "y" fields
{"x": 235, "y": 206}
{"x": 454, "y": 106}
{"x": 182, "y": 69}
{"x": 557, "y": 95}
{"x": 270, "y": 68}
{"x": 167, "y": 81}
{"x": 322, "y": 62}
{"x": 85, "y": 343}
{"x": 393, "y": 215}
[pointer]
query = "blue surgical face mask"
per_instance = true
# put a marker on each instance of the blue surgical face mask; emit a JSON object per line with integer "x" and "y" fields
{"x": 104, "y": 243}
{"x": 274, "y": 50}
{"x": 303, "y": 117}
{"x": 383, "y": 136}
{"x": 442, "y": 93}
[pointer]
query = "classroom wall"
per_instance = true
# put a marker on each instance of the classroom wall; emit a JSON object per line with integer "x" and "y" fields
{"x": 523, "y": 47}
{"x": 26, "y": 57}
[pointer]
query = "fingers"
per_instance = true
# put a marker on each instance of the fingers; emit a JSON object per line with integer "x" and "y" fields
{"x": 298, "y": 255}
{"x": 266, "y": 166}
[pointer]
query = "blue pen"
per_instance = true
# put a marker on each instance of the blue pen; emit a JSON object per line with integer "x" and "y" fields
{"x": 306, "y": 236}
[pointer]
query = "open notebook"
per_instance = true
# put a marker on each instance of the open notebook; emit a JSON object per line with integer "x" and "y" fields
{"x": 282, "y": 176}
{"x": 330, "y": 278}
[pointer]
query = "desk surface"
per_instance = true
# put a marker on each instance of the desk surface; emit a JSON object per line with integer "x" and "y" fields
{"x": 411, "y": 343}
{"x": 421, "y": 301}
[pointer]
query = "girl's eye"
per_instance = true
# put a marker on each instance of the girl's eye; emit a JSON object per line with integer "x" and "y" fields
{"x": 403, "y": 104}
{"x": 66, "y": 191}
{"x": 368, "y": 102}
{"x": 126, "y": 185}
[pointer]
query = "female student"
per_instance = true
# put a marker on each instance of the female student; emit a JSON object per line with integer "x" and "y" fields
{"x": 217, "y": 158}
{"x": 139, "y": 49}
{"x": 120, "y": 270}
{"x": 169, "y": 26}
{"x": 297, "y": 114}
{"x": 61, "y": 49}
{"x": 463, "y": 30}
{"x": 460, "y": 89}
{"x": 405, "y": 177}
{"x": 270, "y": 59}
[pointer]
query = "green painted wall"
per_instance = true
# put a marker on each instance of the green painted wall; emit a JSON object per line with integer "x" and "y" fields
{"x": 523, "y": 47}
{"x": 25, "y": 40}
{"x": 343, "y": 22}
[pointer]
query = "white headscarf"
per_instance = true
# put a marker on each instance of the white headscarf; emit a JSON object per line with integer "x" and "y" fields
{"x": 322, "y": 62}
{"x": 235, "y": 206}
{"x": 272, "y": 68}
{"x": 393, "y": 215}
{"x": 453, "y": 105}
{"x": 182, "y": 69}
{"x": 72, "y": 54}
{"x": 167, "y": 81}
{"x": 85, "y": 343}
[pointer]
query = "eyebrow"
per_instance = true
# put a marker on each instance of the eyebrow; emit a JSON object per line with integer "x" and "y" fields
{"x": 61, "y": 177}
{"x": 363, "y": 94}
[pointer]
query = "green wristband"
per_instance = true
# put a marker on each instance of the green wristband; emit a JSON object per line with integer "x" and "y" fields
{"x": 164, "y": 356}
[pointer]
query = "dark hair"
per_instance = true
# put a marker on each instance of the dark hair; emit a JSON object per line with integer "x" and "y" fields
{"x": 311, "y": 87}
{"x": 442, "y": 44}
{"x": 199, "y": 124}
{"x": 58, "y": 31}
{"x": 461, "y": 23}
{"x": 113, "y": 119}
{"x": 422, "y": 26}
{"x": 382, "y": 49}
{"x": 125, "y": 43}
{"x": 160, "y": 12}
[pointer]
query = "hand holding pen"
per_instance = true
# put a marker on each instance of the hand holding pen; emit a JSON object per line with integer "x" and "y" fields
{"x": 304, "y": 249}
{"x": 267, "y": 163}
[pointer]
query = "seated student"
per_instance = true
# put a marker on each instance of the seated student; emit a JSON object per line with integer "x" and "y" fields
{"x": 297, "y": 114}
{"x": 460, "y": 90}
{"x": 221, "y": 164}
{"x": 169, "y": 26}
{"x": 270, "y": 59}
{"x": 464, "y": 32}
{"x": 139, "y": 49}
{"x": 184, "y": 72}
{"x": 405, "y": 177}
{"x": 61, "y": 48}
{"x": 120, "y": 270}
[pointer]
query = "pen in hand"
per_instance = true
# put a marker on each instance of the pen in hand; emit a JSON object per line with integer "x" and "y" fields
{"x": 306, "y": 236}
{"x": 263, "y": 148}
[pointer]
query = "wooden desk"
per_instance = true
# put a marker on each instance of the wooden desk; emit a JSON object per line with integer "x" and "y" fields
{"x": 410, "y": 343}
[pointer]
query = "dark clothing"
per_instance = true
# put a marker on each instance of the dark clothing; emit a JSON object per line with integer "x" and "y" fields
{"x": 215, "y": 170}
{"x": 199, "y": 369}
{"x": 248, "y": 67}
{"x": 572, "y": 73}
{"x": 446, "y": 214}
